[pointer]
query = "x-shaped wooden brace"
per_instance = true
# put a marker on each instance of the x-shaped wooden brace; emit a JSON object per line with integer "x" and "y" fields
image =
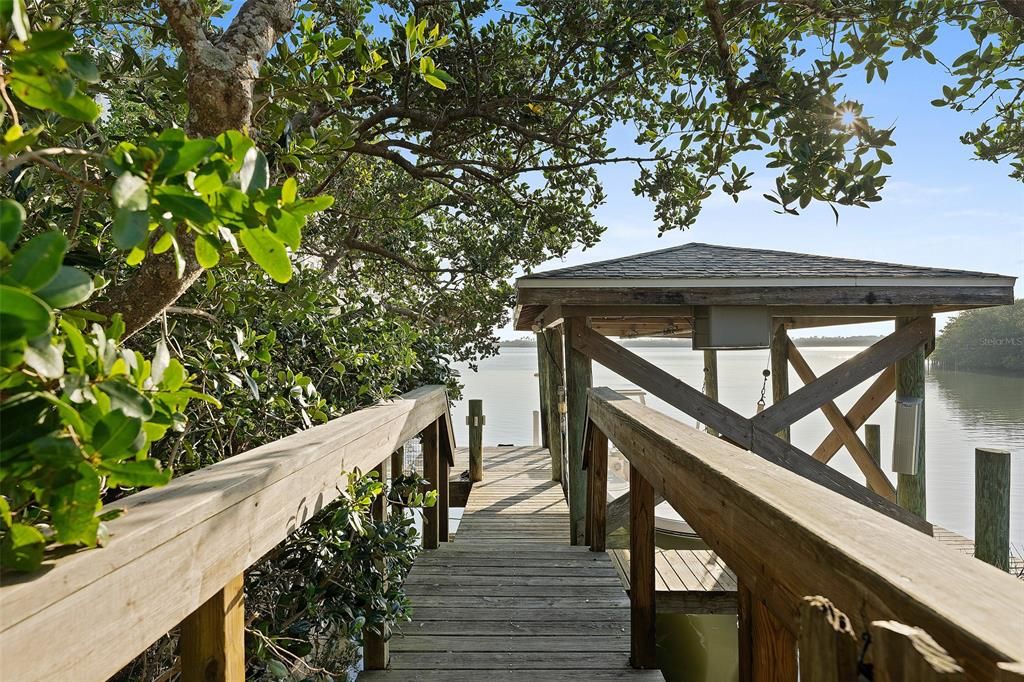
{"x": 758, "y": 433}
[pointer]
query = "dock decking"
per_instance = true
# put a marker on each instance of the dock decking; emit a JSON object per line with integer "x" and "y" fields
{"x": 509, "y": 598}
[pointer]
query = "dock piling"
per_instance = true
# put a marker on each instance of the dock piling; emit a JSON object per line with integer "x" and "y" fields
{"x": 992, "y": 507}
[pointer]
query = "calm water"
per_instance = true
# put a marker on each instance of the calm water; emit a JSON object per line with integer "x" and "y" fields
{"x": 963, "y": 411}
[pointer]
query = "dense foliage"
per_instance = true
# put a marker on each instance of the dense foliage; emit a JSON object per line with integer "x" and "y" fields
{"x": 989, "y": 339}
{"x": 222, "y": 222}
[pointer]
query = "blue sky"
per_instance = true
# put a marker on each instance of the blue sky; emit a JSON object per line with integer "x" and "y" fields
{"x": 939, "y": 208}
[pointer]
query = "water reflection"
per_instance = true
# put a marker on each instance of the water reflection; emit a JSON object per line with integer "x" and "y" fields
{"x": 980, "y": 402}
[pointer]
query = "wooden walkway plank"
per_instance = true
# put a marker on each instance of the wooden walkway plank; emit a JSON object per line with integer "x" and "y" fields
{"x": 510, "y": 597}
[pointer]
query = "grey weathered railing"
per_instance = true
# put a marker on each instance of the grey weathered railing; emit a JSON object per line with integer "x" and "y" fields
{"x": 786, "y": 538}
{"x": 178, "y": 553}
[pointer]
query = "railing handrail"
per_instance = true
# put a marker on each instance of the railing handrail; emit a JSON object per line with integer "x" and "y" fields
{"x": 790, "y": 537}
{"x": 176, "y": 546}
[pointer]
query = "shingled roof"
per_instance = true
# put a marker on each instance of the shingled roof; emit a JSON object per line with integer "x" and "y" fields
{"x": 698, "y": 261}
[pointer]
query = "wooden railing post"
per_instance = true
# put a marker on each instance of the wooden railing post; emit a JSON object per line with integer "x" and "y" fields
{"x": 376, "y": 652}
{"x": 773, "y": 650}
{"x": 476, "y": 421}
{"x": 641, "y": 571}
{"x": 397, "y": 463}
{"x": 443, "y": 483}
{"x": 431, "y": 472}
{"x": 711, "y": 381}
{"x": 910, "y": 492}
{"x": 213, "y": 637}
{"x": 578, "y": 379}
{"x": 744, "y": 630}
{"x": 992, "y": 507}
{"x": 598, "y": 489}
{"x": 828, "y": 647}
{"x": 780, "y": 371}
{"x": 551, "y": 359}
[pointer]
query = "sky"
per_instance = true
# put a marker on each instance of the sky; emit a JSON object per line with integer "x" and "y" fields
{"x": 940, "y": 207}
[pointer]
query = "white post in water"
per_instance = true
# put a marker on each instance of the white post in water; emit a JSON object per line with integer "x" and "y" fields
{"x": 536, "y": 428}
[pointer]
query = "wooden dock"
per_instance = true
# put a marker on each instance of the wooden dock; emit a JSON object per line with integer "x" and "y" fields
{"x": 509, "y": 598}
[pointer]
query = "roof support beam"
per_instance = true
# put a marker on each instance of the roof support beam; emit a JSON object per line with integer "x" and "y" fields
{"x": 746, "y": 433}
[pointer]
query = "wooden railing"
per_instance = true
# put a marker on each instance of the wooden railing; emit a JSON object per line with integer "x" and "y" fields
{"x": 178, "y": 553}
{"x": 788, "y": 538}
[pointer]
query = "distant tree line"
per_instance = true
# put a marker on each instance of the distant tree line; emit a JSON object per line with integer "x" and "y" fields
{"x": 983, "y": 339}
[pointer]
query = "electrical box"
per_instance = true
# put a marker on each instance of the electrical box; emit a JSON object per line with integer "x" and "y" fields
{"x": 907, "y": 435}
{"x": 731, "y": 327}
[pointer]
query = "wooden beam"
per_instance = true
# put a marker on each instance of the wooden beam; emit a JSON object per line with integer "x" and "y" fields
{"x": 617, "y": 512}
{"x": 598, "y": 470}
{"x": 577, "y": 383}
{"x": 910, "y": 372}
{"x": 553, "y": 377}
{"x": 774, "y": 645}
{"x": 789, "y": 538}
{"x": 744, "y": 630}
{"x": 431, "y": 472}
{"x": 542, "y": 386}
{"x": 780, "y": 371}
{"x": 641, "y": 572}
{"x": 731, "y": 425}
{"x": 476, "y": 439}
{"x": 213, "y": 637}
{"x": 901, "y": 653}
{"x": 835, "y": 321}
{"x": 711, "y": 381}
{"x": 443, "y": 477}
{"x": 879, "y": 391}
{"x": 829, "y": 648}
{"x": 840, "y": 379}
{"x": 877, "y": 480}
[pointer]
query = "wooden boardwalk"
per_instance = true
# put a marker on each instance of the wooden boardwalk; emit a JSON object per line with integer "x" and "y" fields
{"x": 509, "y": 598}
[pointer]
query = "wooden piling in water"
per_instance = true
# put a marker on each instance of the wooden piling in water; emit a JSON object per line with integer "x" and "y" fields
{"x": 475, "y": 421}
{"x": 992, "y": 507}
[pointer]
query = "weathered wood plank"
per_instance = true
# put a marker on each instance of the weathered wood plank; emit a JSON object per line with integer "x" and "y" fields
{"x": 577, "y": 383}
{"x": 900, "y": 652}
{"x": 829, "y": 648}
{"x": 881, "y": 388}
{"x": 641, "y": 571}
{"x": 213, "y": 637}
{"x": 553, "y": 377}
{"x": 376, "y": 651}
{"x": 910, "y": 371}
{"x": 779, "y": 356}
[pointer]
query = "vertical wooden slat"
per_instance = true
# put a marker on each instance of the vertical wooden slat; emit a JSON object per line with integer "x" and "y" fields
{"x": 588, "y": 514}
{"x": 443, "y": 485}
{"x": 780, "y": 370}
{"x": 711, "y": 381}
{"x": 551, "y": 341}
{"x": 992, "y": 507}
{"x": 397, "y": 463}
{"x": 774, "y": 646}
{"x": 376, "y": 652}
{"x": 641, "y": 571}
{"x": 431, "y": 471}
{"x": 542, "y": 386}
{"x": 599, "y": 488}
{"x": 902, "y": 653}
{"x": 577, "y": 382}
{"x": 873, "y": 442}
{"x": 213, "y": 637}
{"x": 744, "y": 630}
{"x": 910, "y": 491}
{"x": 828, "y": 646}
{"x": 476, "y": 440}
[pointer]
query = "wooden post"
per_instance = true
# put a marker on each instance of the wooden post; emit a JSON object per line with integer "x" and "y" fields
{"x": 780, "y": 371}
{"x": 443, "y": 483}
{"x": 397, "y": 463}
{"x": 774, "y": 647}
{"x": 873, "y": 442}
{"x": 577, "y": 383}
{"x": 744, "y": 630}
{"x": 828, "y": 646}
{"x": 376, "y": 652}
{"x": 552, "y": 359}
{"x": 992, "y": 507}
{"x": 431, "y": 472}
{"x": 599, "y": 489}
{"x": 213, "y": 637}
{"x": 476, "y": 421}
{"x": 542, "y": 386}
{"x": 641, "y": 571}
{"x": 711, "y": 381}
{"x": 910, "y": 491}
{"x": 902, "y": 653}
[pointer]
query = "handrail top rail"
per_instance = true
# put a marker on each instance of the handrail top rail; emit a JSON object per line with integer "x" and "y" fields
{"x": 158, "y": 515}
{"x": 802, "y": 538}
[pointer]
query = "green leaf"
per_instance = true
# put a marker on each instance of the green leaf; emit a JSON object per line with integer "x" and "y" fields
{"x": 184, "y": 205}
{"x": 145, "y": 472}
{"x": 38, "y": 261}
{"x": 207, "y": 251}
{"x": 82, "y": 67}
{"x": 45, "y": 358}
{"x": 130, "y": 228}
{"x": 286, "y": 226}
{"x": 12, "y": 217}
{"x": 127, "y": 398}
{"x": 130, "y": 192}
{"x": 305, "y": 207}
{"x": 186, "y": 157}
{"x": 113, "y": 435}
{"x": 268, "y": 252}
{"x": 174, "y": 376}
{"x": 289, "y": 190}
{"x": 73, "y": 506}
{"x": 443, "y": 75}
{"x": 22, "y": 546}
{"x": 22, "y": 316}
{"x": 18, "y": 17}
{"x": 435, "y": 81}
{"x": 254, "y": 175}
{"x": 5, "y": 512}
{"x": 70, "y": 287}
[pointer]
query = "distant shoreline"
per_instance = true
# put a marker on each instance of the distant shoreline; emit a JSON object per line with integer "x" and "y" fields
{"x": 809, "y": 341}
